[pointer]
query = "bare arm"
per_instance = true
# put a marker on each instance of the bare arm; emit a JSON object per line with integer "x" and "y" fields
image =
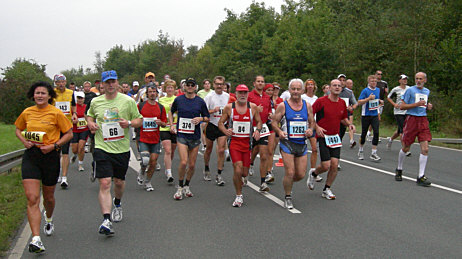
{"x": 280, "y": 110}
{"x": 224, "y": 117}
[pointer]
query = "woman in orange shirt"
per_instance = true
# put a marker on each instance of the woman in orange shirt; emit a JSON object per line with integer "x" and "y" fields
{"x": 38, "y": 128}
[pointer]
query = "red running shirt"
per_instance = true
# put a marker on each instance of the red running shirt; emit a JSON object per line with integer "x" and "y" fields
{"x": 263, "y": 100}
{"x": 149, "y": 132}
{"x": 81, "y": 124}
{"x": 329, "y": 114}
{"x": 239, "y": 140}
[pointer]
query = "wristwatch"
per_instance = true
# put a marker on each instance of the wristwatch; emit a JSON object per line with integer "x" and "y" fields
{"x": 129, "y": 123}
{"x": 57, "y": 146}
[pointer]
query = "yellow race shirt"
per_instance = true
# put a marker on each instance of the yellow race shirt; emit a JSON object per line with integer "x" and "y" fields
{"x": 42, "y": 126}
{"x": 63, "y": 102}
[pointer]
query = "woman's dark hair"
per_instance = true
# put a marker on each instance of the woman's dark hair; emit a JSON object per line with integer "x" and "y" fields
{"x": 51, "y": 91}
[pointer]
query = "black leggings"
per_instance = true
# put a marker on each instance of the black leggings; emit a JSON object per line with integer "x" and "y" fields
{"x": 365, "y": 122}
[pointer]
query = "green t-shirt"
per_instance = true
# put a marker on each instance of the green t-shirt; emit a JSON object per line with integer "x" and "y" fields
{"x": 107, "y": 114}
{"x": 167, "y": 103}
{"x": 202, "y": 93}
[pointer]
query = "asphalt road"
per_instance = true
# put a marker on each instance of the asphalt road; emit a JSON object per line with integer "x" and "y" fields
{"x": 373, "y": 216}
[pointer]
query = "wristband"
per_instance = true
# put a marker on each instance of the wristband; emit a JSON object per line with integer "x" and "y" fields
{"x": 57, "y": 146}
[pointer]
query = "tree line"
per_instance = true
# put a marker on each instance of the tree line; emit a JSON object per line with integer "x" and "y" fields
{"x": 315, "y": 39}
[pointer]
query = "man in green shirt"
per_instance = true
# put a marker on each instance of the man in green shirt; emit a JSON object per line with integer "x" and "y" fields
{"x": 110, "y": 116}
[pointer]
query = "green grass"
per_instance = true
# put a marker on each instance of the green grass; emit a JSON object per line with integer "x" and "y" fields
{"x": 12, "y": 207}
{"x": 9, "y": 140}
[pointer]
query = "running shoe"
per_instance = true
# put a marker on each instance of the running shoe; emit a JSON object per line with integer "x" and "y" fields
{"x": 140, "y": 177}
{"x": 269, "y": 178}
{"x": 369, "y": 138}
{"x": 238, "y": 201}
{"x": 158, "y": 167}
{"x": 106, "y": 228}
{"x": 148, "y": 187}
{"x": 398, "y": 175}
{"x": 251, "y": 170}
{"x": 339, "y": 167}
{"x": 74, "y": 157}
{"x": 310, "y": 181}
{"x": 170, "y": 178}
{"x": 423, "y": 181}
{"x": 203, "y": 148}
{"x": 117, "y": 213}
{"x": 374, "y": 157}
{"x": 318, "y": 178}
{"x": 264, "y": 187}
{"x": 49, "y": 228}
{"x": 64, "y": 183}
{"x": 389, "y": 142}
{"x": 178, "y": 194}
{"x": 207, "y": 176}
{"x": 87, "y": 148}
{"x": 187, "y": 191}
{"x": 219, "y": 180}
{"x": 361, "y": 155}
{"x": 93, "y": 172}
{"x": 353, "y": 144}
{"x": 244, "y": 180}
{"x": 327, "y": 193}
{"x": 81, "y": 168}
{"x": 36, "y": 246}
{"x": 60, "y": 179}
{"x": 288, "y": 203}
{"x": 408, "y": 153}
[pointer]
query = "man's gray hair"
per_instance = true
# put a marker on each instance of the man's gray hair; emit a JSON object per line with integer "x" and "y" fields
{"x": 299, "y": 81}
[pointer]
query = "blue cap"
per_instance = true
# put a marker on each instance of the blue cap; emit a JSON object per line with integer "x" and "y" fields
{"x": 106, "y": 75}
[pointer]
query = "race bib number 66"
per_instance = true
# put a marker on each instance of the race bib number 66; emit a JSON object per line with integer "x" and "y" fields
{"x": 112, "y": 132}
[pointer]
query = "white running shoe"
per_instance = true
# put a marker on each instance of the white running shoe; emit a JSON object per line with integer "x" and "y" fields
{"x": 264, "y": 187}
{"x": 148, "y": 187}
{"x": 374, "y": 157}
{"x": 106, "y": 228}
{"x": 219, "y": 180}
{"x": 389, "y": 142}
{"x": 81, "y": 168}
{"x": 244, "y": 180}
{"x": 187, "y": 191}
{"x": 310, "y": 181}
{"x": 178, "y": 194}
{"x": 251, "y": 170}
{"x": 117, "y": 212}
{"x": 328, "y": 194}
{"x": 158, "y": 167}
{"x": 408, "y": 153}
{"x": 36, "y": 246}
{"x": 207, "y": 176}
{"x": 269, "y": 178}
{"x": 361, "y": 155}
{"x": 60, "y": 179}
{"x": 169, "y": 178}
{"x": 288, "y": 203}
{"x": 140, "y": 177}
{"x": 238, "y": 201}
{"x": 64, "y": 183}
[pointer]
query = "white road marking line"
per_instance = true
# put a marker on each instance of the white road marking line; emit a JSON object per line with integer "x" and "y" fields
{"x": 134, "y": 163}
{"x": 24, "y": 237}
{"x": 271, "y": 197}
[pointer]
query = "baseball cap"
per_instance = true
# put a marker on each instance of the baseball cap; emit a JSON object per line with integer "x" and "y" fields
{"x": 268, "y": 86}
{"x": 135, "y": 83}
{"x": 106, "y": 75}
{"x": 242, "y": 88}
{"x": 341, "y": 75}
{"x": 148, "y": 74}
{"x": 190, "y": 80}
{"x": 403, "y": 76}
{"x": 79, "y": 94}
{"x": 60, "y": 77}
{"x": 276, "y": 85}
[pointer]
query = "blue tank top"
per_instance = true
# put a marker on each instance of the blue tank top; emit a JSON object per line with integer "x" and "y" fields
{"x": 296, "y": 123}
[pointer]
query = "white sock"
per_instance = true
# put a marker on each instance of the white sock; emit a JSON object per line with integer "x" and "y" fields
{"x": 168, "y": 172}
{"x": 80, "y": 162}
{"x": 352, "y": 141}
{"x": 47, "y": 219}
{"x": 422, "y": 164}
{"x": 64, "y": 179}
{"x": 401, "y": 157}
{"x": 36, "y": 238}
{"x": 374, "y": 151}
{"x": 361, "y": 148}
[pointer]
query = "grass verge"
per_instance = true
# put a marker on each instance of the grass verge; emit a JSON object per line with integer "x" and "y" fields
{"x": 9, "y": 140}
{"x": 12, "y": 207}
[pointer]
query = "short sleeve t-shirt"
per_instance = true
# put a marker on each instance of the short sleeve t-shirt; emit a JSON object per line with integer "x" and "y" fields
{"x": 167, "y": 103}
{"x": 413, "y": 95}
{"x": 81, "y": 124}
{"x": 202, "y": 93}
{"x": 263, "y": 100}
{"x": 49, "y": 120}
{"x": 111, "y": 111}
{"x": 63, "y": 101}
{"x": 149, "y": 132}
{"x": 213, "y": 100}
{"x": 189, "y": 108}
{"x": 398, "y": 92}
{"x": 368, "y": 108}
{"x": 329, "y": 114}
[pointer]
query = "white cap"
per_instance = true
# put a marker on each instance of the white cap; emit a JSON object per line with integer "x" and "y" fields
{"x": 135, "y": 83}
{"x": 79, "y": 94}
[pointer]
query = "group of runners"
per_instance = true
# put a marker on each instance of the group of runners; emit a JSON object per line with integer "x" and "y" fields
{"x": 246, "y": 124}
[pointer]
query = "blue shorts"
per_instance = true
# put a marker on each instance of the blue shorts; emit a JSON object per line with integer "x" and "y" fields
{"x": 292, "y": 148}
{"x": 151, "y": 148}
{"x": 191, "y": 143}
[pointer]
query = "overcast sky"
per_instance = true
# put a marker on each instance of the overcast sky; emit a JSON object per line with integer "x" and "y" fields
{"x": 66, "y": 34}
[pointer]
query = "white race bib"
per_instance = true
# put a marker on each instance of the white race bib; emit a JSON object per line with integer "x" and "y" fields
{"x": 81, "y": 123}
{"x": 150, "y": 124}
{"x": 420, "y": 97}
{"x": 374, "y": 104}
{"x": 186, "y": 126}
{"x": 333, "y": 141}
{"x": 218, "y": 113}
{"x": 112, "y": 131}
{"x": 264, "y": 130}
{"x": 241, "y": 129}
{"x": 35, "y": 137}
{"x": 297, "y": 129}
{"x": 347, "y": 101}
{"x": 65, "y": 107}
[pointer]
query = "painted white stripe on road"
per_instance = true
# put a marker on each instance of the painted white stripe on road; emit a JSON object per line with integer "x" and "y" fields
{"x": 271, "y": 197}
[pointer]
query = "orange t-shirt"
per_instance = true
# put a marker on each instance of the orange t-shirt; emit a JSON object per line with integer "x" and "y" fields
{"x": 94, "y": 90}
{"x": 43, "y": 126}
